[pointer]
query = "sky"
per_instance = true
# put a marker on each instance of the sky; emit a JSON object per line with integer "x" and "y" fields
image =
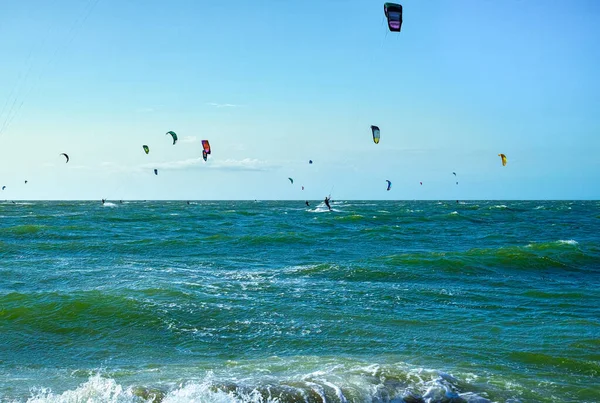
{"x": 273, "y": 84}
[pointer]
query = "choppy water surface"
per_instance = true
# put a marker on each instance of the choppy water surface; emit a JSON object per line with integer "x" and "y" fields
{"x": 272, "y": 301}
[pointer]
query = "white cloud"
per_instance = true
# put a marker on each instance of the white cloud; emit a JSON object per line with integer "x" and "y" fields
{"x": 247, "y": 164}
{"x": 189, "y": 139}
{"x": 83, "y": 167}
{"x": 217, "y": 105}
{"x": 183, "y": 164}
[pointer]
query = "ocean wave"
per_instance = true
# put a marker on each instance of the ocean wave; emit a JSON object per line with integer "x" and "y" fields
{"x": 550, "y": 245}
{"x": 275, "y": 238}
{"x": 549, "y": 255}
{"x": 23, "y": 230}
{"x": 333, "y": 382}
{"x": 350, "y": 218}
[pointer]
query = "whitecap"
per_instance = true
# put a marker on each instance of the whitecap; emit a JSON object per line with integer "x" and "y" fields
{"x": 568, "y": 242}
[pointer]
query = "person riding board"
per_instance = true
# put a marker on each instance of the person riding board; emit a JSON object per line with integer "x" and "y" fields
{"x": 327, "y": 199}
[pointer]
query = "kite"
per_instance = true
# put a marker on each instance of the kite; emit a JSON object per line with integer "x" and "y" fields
{"x": 146, "y": 149}
{"x": 503, "y": 159}
{"x": 302, "y": 187}
{"x": 204, "y": 155}
{"x": 156, "y": 172}
{"x": 454, "y": 173}
{"x": 310, "y": 161}
{"x": 26, "y": 182}
{"x": 174, "y": 135}
{"x": 393, "y": 13}
{"x": 3, "y": 187}
{"x": 206, "y": 146}
{"x": 66, "y": 156}
{"x": 389, "y": 186}
{"x": 421, "y": 183}
{"x": 376, "y": 134}
{"x": 291, "y": 180}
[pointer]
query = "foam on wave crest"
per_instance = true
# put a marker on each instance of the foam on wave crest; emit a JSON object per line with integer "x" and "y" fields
{"x": 334, "y": 383}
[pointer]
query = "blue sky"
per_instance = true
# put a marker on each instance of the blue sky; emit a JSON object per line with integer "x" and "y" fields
{"x": 275, "y": 83}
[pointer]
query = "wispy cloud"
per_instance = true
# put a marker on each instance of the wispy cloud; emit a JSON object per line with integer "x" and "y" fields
{"x": 113, "y": 167}
{"x": 189, "y": 139}
{"x": 247, "y": 164}
{"x": 182, "y": 164}
{"x": 144, "y": 110}
{"x": 218, "y": 105}
{"x": 83, "y": 167}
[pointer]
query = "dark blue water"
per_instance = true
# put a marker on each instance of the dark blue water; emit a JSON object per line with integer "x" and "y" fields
{"x": 272, "y": 301}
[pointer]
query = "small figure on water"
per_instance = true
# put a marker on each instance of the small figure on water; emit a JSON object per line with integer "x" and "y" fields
{"x": 327, "y": 199}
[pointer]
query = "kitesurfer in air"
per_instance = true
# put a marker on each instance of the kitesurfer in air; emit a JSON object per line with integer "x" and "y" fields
{"x": 327, "y": 202}
{"x": 307, "y": 203}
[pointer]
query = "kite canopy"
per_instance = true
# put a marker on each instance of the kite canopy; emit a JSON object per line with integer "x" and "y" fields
{"x": 393, "y": 13}
{"x": 66, "y": 156}
{"x": 376, "y": 134}
{"x": 146, "y": 149}
{"x": 503, "y": 157}
{"x": 389, "y": 186}
{"x": 156, "y": 172}
{"x": 291, "y": 180}
{"x": 174, "y": 135}
{"x": 206, "y": 146}
{"x": 454, "y": 173}
{"x": 310, "y": 161}
{"x": 3, "y": 187}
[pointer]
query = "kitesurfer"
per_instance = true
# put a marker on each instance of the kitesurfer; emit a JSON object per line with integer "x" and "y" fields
{"x": 103, "y": 201}
{"x": 307, "y": 203}
{"x": 327, "y": 199}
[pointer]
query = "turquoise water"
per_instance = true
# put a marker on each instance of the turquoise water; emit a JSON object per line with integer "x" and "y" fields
{"x": 271, "y": 301}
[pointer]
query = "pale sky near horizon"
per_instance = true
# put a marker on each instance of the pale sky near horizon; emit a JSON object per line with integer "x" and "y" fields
{"x": 273, "y": 84}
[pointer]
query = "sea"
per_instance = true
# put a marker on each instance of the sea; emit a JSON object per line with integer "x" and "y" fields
{"x": 276, "y": 301}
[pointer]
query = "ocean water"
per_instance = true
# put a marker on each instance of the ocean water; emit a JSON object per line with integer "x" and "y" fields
{"x": 374, "y": 301}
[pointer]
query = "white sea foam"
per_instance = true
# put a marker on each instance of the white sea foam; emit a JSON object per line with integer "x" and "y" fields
{"x": 568, "y": 242}
{"x": 333, "y": 382}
